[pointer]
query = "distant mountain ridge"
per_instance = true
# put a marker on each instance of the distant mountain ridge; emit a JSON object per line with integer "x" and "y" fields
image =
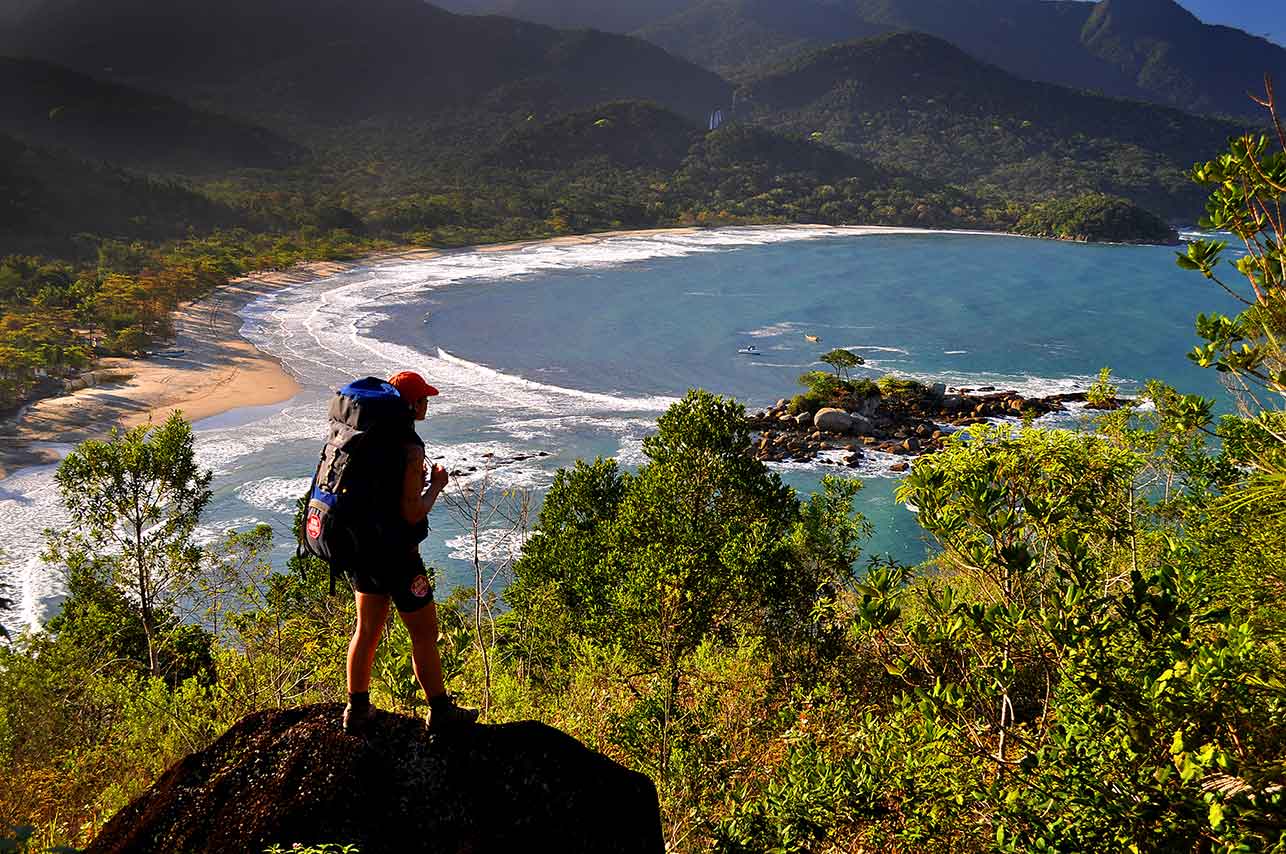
{"x": 1146, "y": 49}
{"x": 915, "y": 102}
{"x": 620, "y": 16}
{"x": 339, "y": 60}
{"x": 413, "y": 120}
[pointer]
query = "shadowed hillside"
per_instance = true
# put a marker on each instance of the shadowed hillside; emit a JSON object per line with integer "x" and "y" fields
{"x": 51, "y": 203}
{"x": 315, "y": 62}
{"x": 52, "y": 106}
{"x": 917, "y": 103}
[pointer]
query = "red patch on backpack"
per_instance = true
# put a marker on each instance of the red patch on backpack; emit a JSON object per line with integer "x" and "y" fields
{"x": 420, "y": 586}
{"x": 314, "y": 525}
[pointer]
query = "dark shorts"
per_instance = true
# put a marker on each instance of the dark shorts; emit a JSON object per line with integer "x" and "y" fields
{"x": 401, "y": 577}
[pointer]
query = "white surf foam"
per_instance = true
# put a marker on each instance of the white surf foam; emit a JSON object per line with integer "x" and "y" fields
{"x": 872, "y": 348}
{"x": 277, "y": 494}
{"x": 541, "y": 393}
{"x": 873, "y": 464}
{"x": 775, "y": 330}
{"x": 29, "y": 503}
{"x": 490, "y": 546}
{"x": 212, "y": 533}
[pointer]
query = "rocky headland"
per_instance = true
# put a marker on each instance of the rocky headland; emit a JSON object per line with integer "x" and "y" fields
{"x": 909, "y": 420}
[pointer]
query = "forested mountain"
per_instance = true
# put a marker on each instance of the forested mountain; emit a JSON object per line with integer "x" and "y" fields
{"x": 318, "y": 62}
{"x": 378, "y": 107}
{"x": 916, "y": 103}
{"x": 54, "y": 107}
{"x": 619, "y": 16}
{"x": 49, "y": 201}
{"x": 1173, "y": 57}
{"x": 625, "y": 135}
{"x": 1147, "y": 49}
{"x": 736, "y": 34}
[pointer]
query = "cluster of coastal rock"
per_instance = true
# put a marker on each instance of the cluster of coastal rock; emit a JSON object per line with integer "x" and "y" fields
{"x": 491, "y": 461}
{"x": 908, "y": 424}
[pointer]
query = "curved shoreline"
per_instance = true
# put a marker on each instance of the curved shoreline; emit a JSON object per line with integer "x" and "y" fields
{"x": 210, "y": 369}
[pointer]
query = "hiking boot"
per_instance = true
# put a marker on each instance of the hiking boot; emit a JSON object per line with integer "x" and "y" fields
{"x": 444, "y": 714}
{"x": 356, "y": 718}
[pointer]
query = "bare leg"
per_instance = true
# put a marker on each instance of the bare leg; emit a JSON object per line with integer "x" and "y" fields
{"x": 372, "y": 613}
{"x": 423, "y": 626}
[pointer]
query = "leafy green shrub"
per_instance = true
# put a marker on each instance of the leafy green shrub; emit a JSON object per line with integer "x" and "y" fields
{"x": 821, "y": 384}
{"x": 1065, "y": 677}
{"x": 806, "y": 402}
{"x": 891, "y": 385}
{"x": 861, "y": 389}
{"x": 831, "y": 390}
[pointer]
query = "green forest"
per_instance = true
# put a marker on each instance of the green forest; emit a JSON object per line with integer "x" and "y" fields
{"x": 1091, "y": 660}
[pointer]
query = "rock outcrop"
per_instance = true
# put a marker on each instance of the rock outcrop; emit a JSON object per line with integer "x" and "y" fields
{"x": 909, "y": 424}
{"x": 832, "y": 420}
{"x": 292, "y": 776}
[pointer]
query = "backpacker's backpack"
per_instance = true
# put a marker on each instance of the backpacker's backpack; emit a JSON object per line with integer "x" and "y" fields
{"x": 352, "y": 512}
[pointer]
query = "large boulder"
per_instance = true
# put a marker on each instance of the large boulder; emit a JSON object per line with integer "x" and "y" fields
{"x": 292, "y": 776}
{"x": 831, "y": 420}
{"x": 869, "y": 406}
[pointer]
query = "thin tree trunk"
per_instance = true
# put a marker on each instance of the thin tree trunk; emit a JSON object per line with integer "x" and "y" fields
{"x": 145, "y": 606}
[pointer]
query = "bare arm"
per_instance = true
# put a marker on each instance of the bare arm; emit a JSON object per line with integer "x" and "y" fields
{"x": 416, "y": 500}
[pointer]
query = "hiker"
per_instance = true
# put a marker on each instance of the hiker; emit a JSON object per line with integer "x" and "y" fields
{"x": 367, "y": 515}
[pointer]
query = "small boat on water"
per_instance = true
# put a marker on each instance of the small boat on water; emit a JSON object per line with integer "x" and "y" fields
{"x": 752, "y": 350}
{"x": 812, "y": 339}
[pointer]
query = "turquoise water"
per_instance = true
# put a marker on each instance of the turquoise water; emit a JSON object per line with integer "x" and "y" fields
{"x": 963, "y": 308}
{"x": 572, "y": 351}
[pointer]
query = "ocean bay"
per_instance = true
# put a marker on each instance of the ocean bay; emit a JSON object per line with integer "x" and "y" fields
{"x": 572, "y": 351}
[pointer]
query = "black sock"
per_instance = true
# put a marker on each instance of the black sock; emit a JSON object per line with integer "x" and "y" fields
{"x": 360, "y": 699}
{"x": 438, "y": 701}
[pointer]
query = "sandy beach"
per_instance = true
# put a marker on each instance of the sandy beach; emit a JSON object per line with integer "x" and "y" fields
{"x": 208, "y": 368}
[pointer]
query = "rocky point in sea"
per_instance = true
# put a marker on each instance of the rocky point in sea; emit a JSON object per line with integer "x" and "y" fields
{"x": 910, "y": 422}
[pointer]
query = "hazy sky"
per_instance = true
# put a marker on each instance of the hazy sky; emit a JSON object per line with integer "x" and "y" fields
{"x": 1265, "y": 18}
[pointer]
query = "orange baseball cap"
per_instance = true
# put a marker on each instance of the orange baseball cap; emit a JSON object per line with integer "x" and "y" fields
{"x": 411, "y": 386}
